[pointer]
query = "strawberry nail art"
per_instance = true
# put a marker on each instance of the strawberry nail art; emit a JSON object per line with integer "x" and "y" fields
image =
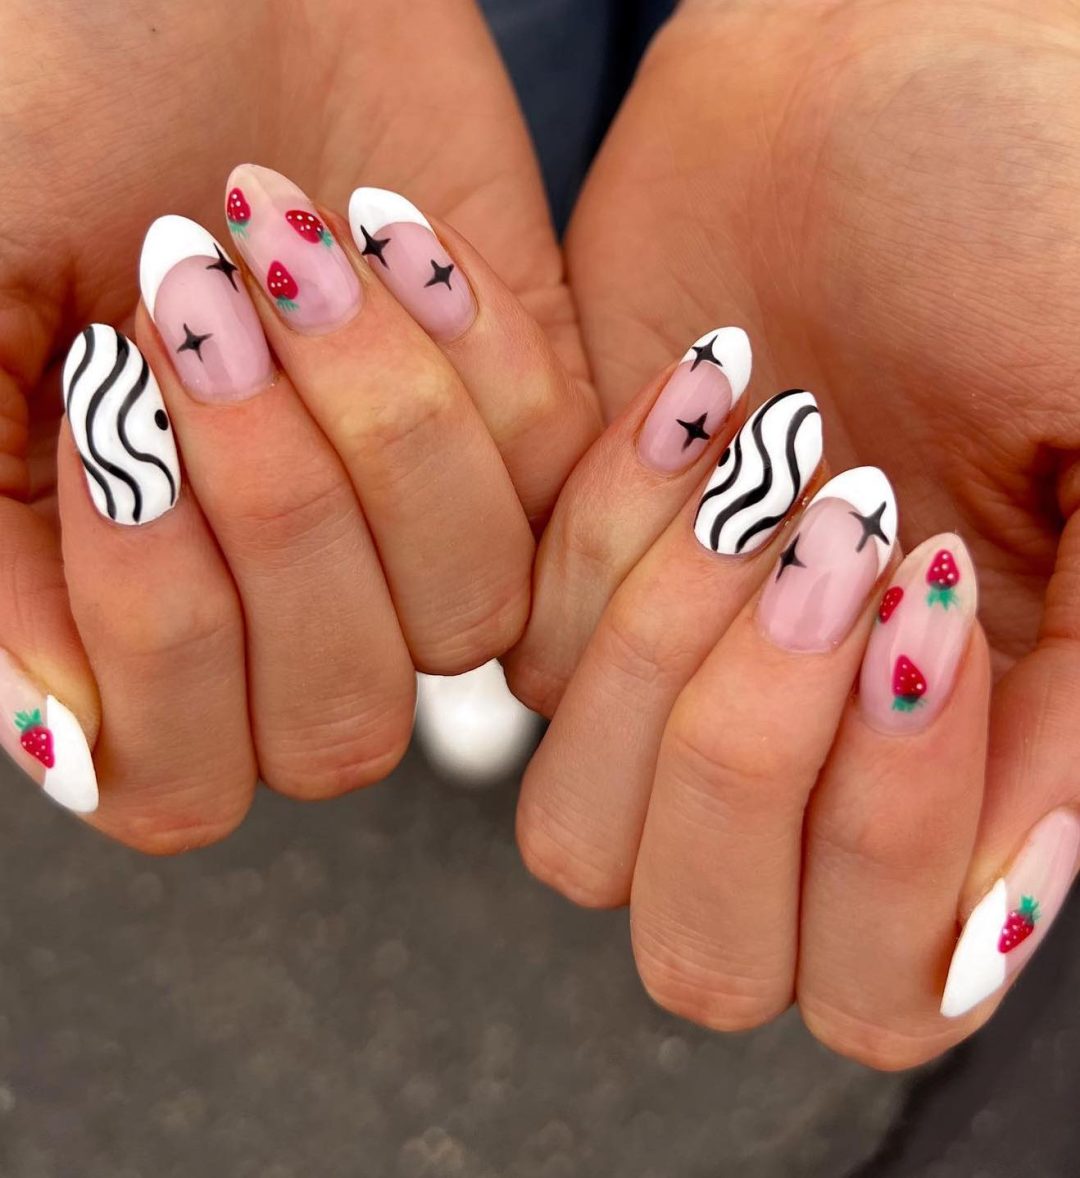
{"x": 45, "y": 740}
{"x": 401, "y": 247}
{"x": 1008, "y": 924}
{"x": 290, "y": 248}
{"x": 920, "y": 637}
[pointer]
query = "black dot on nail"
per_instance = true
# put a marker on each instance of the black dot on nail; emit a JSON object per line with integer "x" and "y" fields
{"x": 161, "y": 419}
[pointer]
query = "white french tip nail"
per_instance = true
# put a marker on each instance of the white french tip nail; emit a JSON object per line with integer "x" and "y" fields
{"x": 978, "y": 969}
{"x": 867, "y": 490}
{"x": 71, "y": 781}
{"x": 375, "y": 208}
{"x": 168, "y": 241}
{"x": 729, "y": 349}
{"x": 761, "y": 475}
{"x": 120, "y": 426}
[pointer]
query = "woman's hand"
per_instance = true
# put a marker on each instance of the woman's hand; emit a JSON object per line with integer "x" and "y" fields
{"x": 325, "y": 529}
{"x": 885, "y": 195}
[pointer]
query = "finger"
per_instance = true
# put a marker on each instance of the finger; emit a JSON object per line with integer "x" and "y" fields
{"x": 541, "y": 418}
{"x": 1028, "y": 849}
{"x": 715, "y": 902}
{"x": 586, "y": 791}
{"x": 317, "y": 610}
{"x": 155, "y": 609}
{"x": 453, "y": 541}
{"x": 624, "y": 492}
{"x": 893, "y": 819}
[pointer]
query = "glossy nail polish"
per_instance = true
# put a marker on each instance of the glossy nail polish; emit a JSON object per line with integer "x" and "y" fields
{"x": 838, "y": 548}
{"x": 202, "y": 310}
{"x": 922, "y": 630}
{"x": 1008, "y": 924}
{"x": 761, "y": 475}
{"x": 696, "y": 401}
{"x": 303, "y": 270}
{"x": 45, "y": 740}
{"x": 401, "y": 247}
{"x": 120, "y": 426}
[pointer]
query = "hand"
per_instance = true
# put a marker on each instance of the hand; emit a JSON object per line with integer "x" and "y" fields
{"x": 155, "y": 668}
{"x": 883, "y": 195}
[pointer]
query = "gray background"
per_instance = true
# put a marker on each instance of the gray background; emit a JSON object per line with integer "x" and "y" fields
{"x": 373, "y": 987}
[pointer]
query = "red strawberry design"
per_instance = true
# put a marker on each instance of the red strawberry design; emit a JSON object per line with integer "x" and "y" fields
{"x": 35, "y": 738}
{"x": 908, "y": 685}
{"x": 889, "y": 602}
{"x": 237, "y": 212}
{"x": 281, "y": 284}
{"x": 942, "y": 576}
{"x": 1019, "y": 925}
{"x": 309, "y": 227}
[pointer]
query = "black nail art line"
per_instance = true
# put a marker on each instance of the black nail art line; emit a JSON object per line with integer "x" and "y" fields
{"x": 121, "y": 428}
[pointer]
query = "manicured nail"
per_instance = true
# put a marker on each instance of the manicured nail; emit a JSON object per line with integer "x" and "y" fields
{"x": 404, "y": 252}
{"x": 202, "y": 310}
{"x": 290, "y": 251}
{"x": 45, "y": 740}
{"x": 761, "y": 475}
{"x": 696, "y": 401}
{"x": 1008, "y": 924}
{"x": 839, "y": 548}
{"x": 120, "y": 427}
{"x": 922, "y": 630}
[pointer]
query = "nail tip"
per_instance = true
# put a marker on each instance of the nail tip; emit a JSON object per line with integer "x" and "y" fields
{"x": 375, "y": 208}
{"x": 168, "y": 241}
{"x": 869, "y": 491}
{"x": 731, "y": 346}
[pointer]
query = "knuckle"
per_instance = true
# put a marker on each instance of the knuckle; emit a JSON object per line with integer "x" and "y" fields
{"x": 193, "y": 623}
{"x": 882, "y": 842}
{"x": 538, "y": 687}
{"x": 687, "y": 980}
{"x": 180, "y": 821}
{"x": 474, "y": 632}
{"x": 872, "y": 1043}
{"x": 632, "y": 643}
{"x": 557, "y": 855}
{"x": 410, "y": 423}
{"x": 586, "y": 540}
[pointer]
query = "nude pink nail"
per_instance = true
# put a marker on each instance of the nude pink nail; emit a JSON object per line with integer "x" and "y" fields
{"x": 203, "y": 313}
{"x": 303, "y": 270}
{"x": 696, "y": 401}
{"x": 924, "y": 622}
{"x": 838, "y": 549}
{"x": 401, "y": 247}
{"x": 1008, "y": 924}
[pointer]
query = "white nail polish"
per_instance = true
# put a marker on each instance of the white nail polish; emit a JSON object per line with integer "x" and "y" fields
{"x": 375, "y": 208}
{"x": 120, "y": 426}
{"x": 729, "y": 349}
{"x": 761, "y": 475}
{"x": 169, "y": 241}
{"x": 873, "y": 503}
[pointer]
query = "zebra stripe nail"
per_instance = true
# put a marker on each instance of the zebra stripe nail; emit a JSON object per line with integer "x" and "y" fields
{"x": 120, "y": 427}
{"x": 761, "y": 475}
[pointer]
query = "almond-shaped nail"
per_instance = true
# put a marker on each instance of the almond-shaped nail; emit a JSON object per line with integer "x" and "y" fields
{"x": 696, "y": 401}
{"x": 44, "y": 739}
{"x": 401, "y": 247}
{"x": 761, "y": 475}
{"x": 120, "y": 426}
{"x": 303, "y": 270}
{"x": 1008, "y": 924}
{"x": 202, "y": 310}
{"x": 922, "y": 630}
{"x": 839, "y": 547}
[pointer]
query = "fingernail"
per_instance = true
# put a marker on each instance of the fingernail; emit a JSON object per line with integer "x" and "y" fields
{"x": 839, "y": 548}
{"x": 920, "y": 636}
{"x": 290, "y": 251}
{"x": 402, "y": 249}
{"x": 1008, "y": 924}
{"x": 120, "y": 427}
{"x": 696, "y": 401}
{"x": 203, "y": 312}
{"x": 761, "y": 475}
{"x": 45, "y": 740}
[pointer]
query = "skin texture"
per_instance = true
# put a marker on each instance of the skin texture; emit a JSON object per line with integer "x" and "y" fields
{"x": 883, "y": 194}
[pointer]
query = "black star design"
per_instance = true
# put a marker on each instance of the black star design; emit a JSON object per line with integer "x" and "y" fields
{"x": 224, "y": 265}
{"x": 789, "y": 558}
{"x": 374, "y": 246}
{"x": 871, "y": 526}
{"x": 695, "y": 431}
{"x": 704, "y": 352}
{"x": 441, "y": 275}
{"x": 193, "y": 342}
